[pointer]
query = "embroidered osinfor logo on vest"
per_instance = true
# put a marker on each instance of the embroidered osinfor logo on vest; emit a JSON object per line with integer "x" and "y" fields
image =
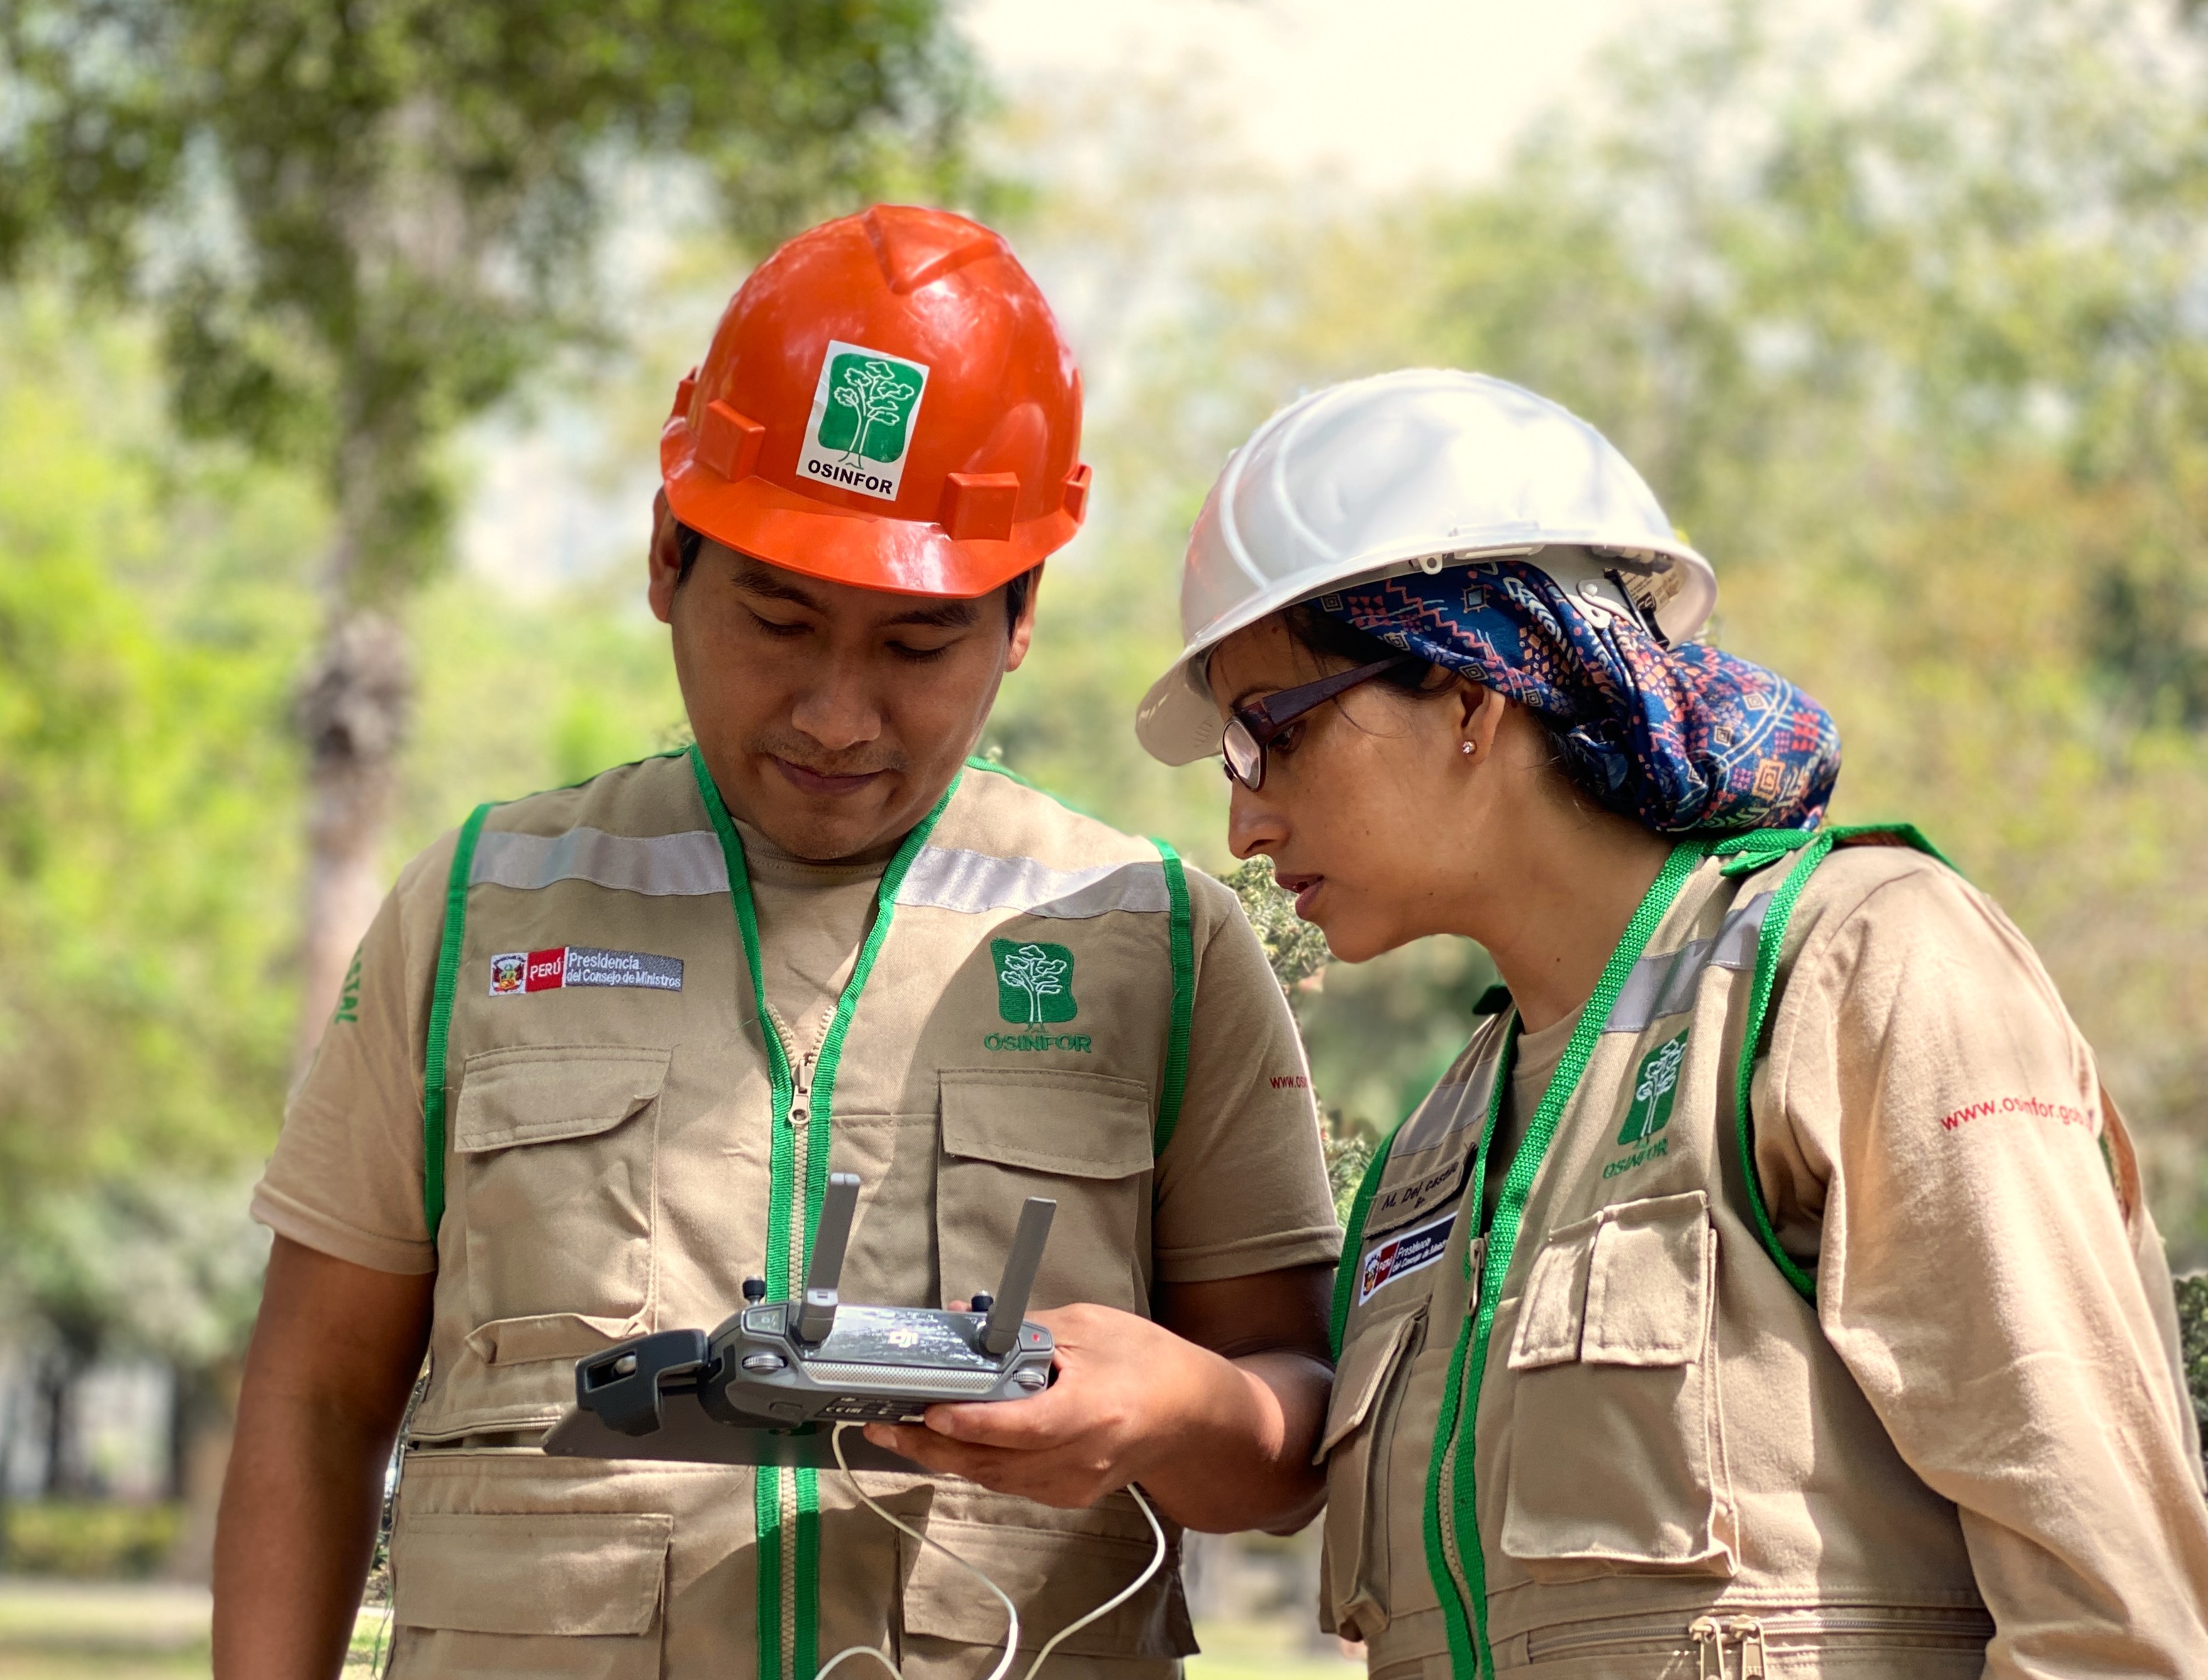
{"x": 864, "y": 411}
{"x": 1655, "y": 1085}
{"x": 1035, "y": 982}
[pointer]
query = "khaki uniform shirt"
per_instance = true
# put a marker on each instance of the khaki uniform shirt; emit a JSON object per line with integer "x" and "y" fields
{"x": 606, "y": 1173}
{"x": 1971, "y": 1456}
{"x": 812, "y": 918}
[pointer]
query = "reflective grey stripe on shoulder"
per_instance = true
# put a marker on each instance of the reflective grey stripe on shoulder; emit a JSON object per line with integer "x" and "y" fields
{"x": 1664, "y": 984}
{"x": 689, "y": 865}
{"x": 1449, "y": 1109}
{"x": 944, "y": 878}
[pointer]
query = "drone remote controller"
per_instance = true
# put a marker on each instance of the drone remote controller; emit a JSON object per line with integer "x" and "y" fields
{"x": 783, "y": 1366}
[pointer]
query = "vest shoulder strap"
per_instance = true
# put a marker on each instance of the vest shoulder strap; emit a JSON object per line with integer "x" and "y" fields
{"x": 1181, "y": 936}
{"x": 1172, "y": 1086}
{"x": 450, "y": 938}
{"x": 440, "y": 1018}
{"x": 1361, "y": 1210}
{"x": 1745, "y": 854}
{"x": 1493, "y": 1027}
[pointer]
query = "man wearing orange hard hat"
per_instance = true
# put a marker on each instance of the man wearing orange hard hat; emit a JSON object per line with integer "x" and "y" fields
{"x": 606, "y": 1044}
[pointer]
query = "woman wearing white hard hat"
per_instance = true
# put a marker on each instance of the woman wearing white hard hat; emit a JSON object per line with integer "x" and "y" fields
{"x": 1766, "y": 1288}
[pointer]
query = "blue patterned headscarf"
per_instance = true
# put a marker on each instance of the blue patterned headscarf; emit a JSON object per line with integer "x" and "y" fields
{"x": 1683, "y": 738}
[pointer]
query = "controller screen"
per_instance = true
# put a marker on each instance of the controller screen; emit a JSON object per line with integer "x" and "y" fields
{"x": 884, "y": 1336}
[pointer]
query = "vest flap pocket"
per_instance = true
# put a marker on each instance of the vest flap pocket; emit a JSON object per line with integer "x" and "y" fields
{"x": 1081, "y": 1139}
{"x": 1055, "y": 1575}
{"x": 1616, "y": 1455}
{"x": 554, "y": 1185}
{"x": 594, "y": 1573}
{"x": 1364, "y": 1422}
{"x": 1360, "y": 1376}
{"x": 1084, "y": 1125}
{"x": 1554, "y": 1310}
{"x": 549, "y": 1336}
{"x": 542, "y": 1094}
{"x": 1645, "y": 1298}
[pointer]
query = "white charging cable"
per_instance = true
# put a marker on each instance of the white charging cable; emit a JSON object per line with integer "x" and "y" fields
{"x": 1011, "y": 1615}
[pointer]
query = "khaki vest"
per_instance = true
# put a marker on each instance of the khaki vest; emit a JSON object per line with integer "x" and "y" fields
{"x": 1611, "y": 1432}
{"x": 617, "y": 1136}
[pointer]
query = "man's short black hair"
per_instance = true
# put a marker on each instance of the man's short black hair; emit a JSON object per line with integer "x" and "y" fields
{"x": 689, "y": 544}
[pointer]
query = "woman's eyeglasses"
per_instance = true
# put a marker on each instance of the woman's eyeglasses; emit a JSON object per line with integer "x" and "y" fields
{"x": 1253, "y": 727}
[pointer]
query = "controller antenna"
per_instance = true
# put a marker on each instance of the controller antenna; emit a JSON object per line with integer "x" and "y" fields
{"x": 831, "y": 1235}
{"x": 1000, "y": 1332}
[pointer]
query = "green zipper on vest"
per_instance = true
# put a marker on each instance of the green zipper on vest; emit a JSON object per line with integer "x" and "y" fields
{"x": 786, "y": 1503}
{"x": 1454, "y": 1555}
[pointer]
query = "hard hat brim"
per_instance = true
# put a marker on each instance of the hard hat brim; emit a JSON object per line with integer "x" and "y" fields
{"x": 1179, "y": 722}
{"x": 847, "y": 545}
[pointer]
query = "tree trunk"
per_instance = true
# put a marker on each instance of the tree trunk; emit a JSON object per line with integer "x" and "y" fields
{"x": 204, "y": 1419}
{"x": 59, "y": 1375}
{"x": 352, "y": 713}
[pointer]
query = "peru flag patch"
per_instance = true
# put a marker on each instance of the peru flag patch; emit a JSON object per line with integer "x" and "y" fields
{"x": 516, "y": 971}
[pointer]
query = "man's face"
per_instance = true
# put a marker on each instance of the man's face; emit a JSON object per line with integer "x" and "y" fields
{"x": 832, "y": 717}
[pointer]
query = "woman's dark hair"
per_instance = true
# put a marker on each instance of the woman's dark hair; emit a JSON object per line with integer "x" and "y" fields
{"x": 1318, "y": 633}
{"x": 690, "y": 542}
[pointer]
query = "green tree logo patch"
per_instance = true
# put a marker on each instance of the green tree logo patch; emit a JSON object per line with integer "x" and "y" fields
{"x": 864, "y": 410}
{"x": 1655, "y": 1085}
{"x": 1035, "y": 982}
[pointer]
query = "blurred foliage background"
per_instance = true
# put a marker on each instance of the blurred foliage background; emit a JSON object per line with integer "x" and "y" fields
{"x": 1902, "y": 311}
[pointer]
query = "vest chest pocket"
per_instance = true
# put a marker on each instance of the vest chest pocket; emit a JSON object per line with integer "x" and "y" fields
{"x": 1083, "y": 1139}
{"x": 555, "y": 1150}
{"x": 1363, "y": 1419}
{"x": 1617, "y": 1459}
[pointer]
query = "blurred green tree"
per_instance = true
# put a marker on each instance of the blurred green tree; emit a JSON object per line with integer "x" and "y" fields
{"x": 361, "y": 222}
{"x": 151, "y": 614}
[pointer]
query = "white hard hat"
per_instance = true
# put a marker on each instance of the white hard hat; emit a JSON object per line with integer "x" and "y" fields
{"x": 1422, "y": 468}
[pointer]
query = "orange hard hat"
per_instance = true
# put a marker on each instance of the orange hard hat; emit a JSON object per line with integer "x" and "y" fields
{"x": 888, "y": 402}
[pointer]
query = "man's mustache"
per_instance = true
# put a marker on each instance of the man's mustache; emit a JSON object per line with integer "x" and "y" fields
{"x": 806, "y": 753}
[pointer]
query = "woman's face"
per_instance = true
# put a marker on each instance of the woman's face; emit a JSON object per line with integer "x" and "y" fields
{"x": 1370, "y": 810}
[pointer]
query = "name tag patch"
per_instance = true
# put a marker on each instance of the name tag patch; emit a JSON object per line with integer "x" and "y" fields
{"x": 1412, "y": 1250}
{"x": 516, "y": 971}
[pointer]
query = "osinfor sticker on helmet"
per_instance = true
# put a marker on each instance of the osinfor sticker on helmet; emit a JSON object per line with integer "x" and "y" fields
{"x": 864, "y": 412}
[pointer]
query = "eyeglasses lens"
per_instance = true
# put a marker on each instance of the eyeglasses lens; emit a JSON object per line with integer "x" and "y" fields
{"x": 1245, "y": 759}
